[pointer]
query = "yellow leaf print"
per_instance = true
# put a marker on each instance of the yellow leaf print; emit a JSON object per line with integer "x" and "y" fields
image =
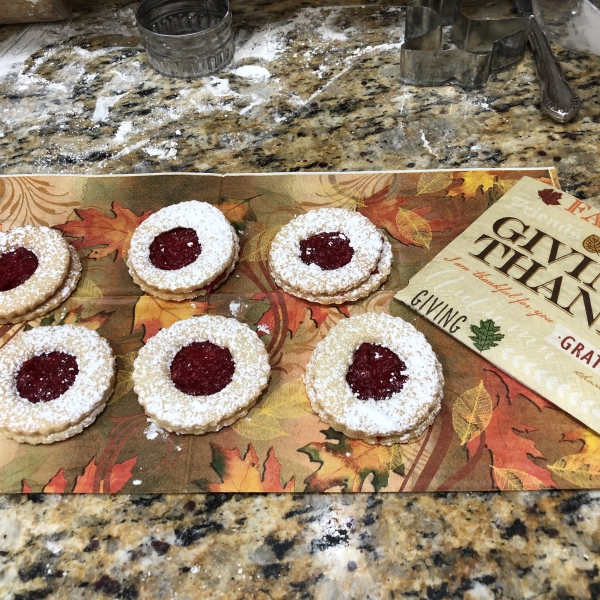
{"x": 257, "y": 248}
{"x": 391, "y": 457}
{"x": 583, "y": 468}
{"x": 288, "y": 402}
{"x": 259, "y": 426}
{"x": 509, "y": 480}
{"x": 471, "y": 182}
{"x": 433, "y": 181}
{"x": 472, "y": 413}
{"x": 414, "y": 227}
{"x": 124, "y": 382}
{"x": 87, "y": 289}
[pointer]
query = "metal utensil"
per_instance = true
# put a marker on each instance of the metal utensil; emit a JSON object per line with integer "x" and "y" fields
{"x": 558, "y": 100}
{"x": 483, "y": 46}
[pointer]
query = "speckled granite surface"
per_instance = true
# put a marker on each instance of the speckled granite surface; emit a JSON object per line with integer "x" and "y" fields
{"x": 313, "y": 87}
{"x": 323, "y": 547}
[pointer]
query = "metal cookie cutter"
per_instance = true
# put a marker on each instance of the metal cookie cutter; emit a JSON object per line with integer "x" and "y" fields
{"x": 482, "y": 46}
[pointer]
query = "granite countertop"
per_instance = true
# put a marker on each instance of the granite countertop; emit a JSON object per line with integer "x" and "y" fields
{"x": 313, "y": 86}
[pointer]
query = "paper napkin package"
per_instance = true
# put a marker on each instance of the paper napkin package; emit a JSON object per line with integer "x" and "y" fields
{"x": 521, "y": 285}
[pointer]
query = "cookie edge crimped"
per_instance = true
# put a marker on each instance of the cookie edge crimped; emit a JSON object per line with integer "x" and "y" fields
{"x": 283, "y": 250}
{"x": 33, "y": 286}
{"x": 50, "y": 426}
{"x": 148, "y": 289}
{"x": 139, "y": 249}
{"x": 63, "y": 293}
{"x": 402, "y": 435}
{"x": 372, "y": 283}
{"x": 262, "y": 367}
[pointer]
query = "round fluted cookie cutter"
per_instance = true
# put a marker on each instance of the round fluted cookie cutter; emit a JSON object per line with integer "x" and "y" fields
{"x": 186, "y": 38}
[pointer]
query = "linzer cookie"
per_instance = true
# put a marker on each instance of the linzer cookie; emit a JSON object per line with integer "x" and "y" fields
{"x": 375, "y": 377}
{"x": 38, "y": 271}
{"x": 54, "y": 382}
{"x": 183, "y": 251}
{"x": 201, "y": 374}
{"x": 330, "y": 256}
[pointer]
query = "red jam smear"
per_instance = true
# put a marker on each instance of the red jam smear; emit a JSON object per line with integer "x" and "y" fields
{"x": 16, "y": 268}
{"x": 45, "y": 377}
{"x": 330, "y": 250}
{"x": 375, "y": 372}
{"x": 202, "y": 369}
{"x": 175, "y": 249}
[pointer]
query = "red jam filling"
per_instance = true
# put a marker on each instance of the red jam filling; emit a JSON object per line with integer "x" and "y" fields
{"x": 202, "y": 369}
{"x": 175, "y": 249}
{"x": 330, "y": 250}
{"x": 16, "y": 268}
{"x": 375, "y": 372}
{"x": 47, "y": 376}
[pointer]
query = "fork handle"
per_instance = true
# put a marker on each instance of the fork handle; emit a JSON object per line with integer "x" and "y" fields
{"x": 557, "y": 99}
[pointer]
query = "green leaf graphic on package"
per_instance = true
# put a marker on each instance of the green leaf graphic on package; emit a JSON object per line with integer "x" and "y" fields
{"x": 485, "y": 336}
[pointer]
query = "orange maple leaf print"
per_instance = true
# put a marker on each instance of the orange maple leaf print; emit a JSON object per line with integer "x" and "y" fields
{"x": 92, "y": 322}
{"x": 237, "y": 212}
{"x": 583, "y": 467}
{"x": 471, "y": 181}
{"x": 244, "y": 475}
{"x": 94, "y": 228}
{"x": 296, "y": 312}
{"x": 512, "y": 467}
{"x": 155, "y": 313}
{"x": 57, "y": 484}
{"x": 119, "y": 475}
{"x": 407, "y": 225}
{"x": 347, "y": 462}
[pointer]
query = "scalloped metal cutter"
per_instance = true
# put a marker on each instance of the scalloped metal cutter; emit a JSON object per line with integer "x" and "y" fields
{"x": 482, "y": 46}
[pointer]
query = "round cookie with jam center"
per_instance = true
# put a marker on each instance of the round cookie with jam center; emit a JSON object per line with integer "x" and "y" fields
{"x": 54, "y": 381}
{"x": 183, "y": 247}
{"x": 195, "y": 293}
{"x": 34, "y": 262}
{"x": 376, "y": 378}
{"x": 326, "y": 251}
{"x": 201, "y": 374}
{"x": 374, "y": 281}
{"x": 64, "y": 291}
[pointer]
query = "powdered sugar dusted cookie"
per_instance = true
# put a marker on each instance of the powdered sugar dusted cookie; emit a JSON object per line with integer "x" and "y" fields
{"x": 200, "y": 292}
{"x": 326, "y": 251}
{"x": 201, "y": 374}
{"x": 182, "y": 248}
{"x": 375, "y": 377}
{"x": 377, "y": 277}
{"x": 63, "y": 292}
{"x": 34, "y": 262}
{"x": 54, "y": 381}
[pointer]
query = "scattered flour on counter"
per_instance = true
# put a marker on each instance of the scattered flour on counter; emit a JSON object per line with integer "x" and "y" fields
{"x": 219, "y": 87}
{"x": 124, "y": 130}
{"x": 53, "y": 547}
{"x": 103, "y": 105}
{"x": 428, "y": 145}
{"x": 163, "y": 153}
{"x": 252, "y": 72}
{"x": 153, "y": 431}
